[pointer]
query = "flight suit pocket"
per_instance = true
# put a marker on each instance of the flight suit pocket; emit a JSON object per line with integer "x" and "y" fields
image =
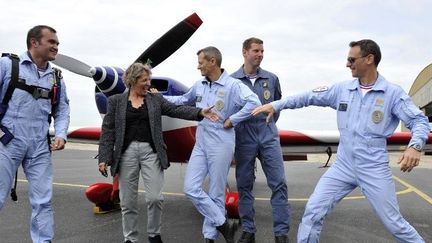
{"x": 342, "y": 115}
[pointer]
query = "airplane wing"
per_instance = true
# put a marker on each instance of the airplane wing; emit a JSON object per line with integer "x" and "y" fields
{"x": 296, "y": 144}
{"x": 180, "y": 139}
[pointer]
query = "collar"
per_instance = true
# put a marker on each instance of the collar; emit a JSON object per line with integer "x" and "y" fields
{"x": 221, "y": 81}
{"x": 380, "y": 84}
{"x": 261, "y": 73}
{"x": 25, "y": 58}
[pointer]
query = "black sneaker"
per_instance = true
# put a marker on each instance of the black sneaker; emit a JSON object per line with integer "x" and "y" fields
{"x": 155, "y": 239}
{"x": 228, "y": 230}
{"x": 209, "y": 241}
{"x": 247, "y": 237}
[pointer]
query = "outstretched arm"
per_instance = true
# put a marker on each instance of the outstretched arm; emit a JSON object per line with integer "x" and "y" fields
{"x": 186, "y": 99}
{"x": 322, "y": 96}
{"x": 186, "y": 112}
{"x": 210, "y": 114}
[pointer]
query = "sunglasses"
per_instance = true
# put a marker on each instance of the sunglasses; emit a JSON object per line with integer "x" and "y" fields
{"x": 352, "y": 60}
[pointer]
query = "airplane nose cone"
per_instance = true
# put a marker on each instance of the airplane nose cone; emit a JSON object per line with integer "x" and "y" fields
{"x": 92, "y": 71}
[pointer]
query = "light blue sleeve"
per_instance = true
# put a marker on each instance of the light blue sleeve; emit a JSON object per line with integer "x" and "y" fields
{"x": 413, "y": 118}
{"x": 323, "y": 96}
{"x": 188, "y": 98}
{"x": 247, "y": 99}
{"x": 62, "y": 115}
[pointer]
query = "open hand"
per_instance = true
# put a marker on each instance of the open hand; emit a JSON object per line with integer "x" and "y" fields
{"x": 409, "y": 159}
{"x": 267, "y": 108}
{"x": 153, "y": 90}
{"x": 210, "y": 114}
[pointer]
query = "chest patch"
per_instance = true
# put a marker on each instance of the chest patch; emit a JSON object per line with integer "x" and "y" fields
{"x": 343, "y": 107}
{"x": 379, "y": 102}
{"x": 267, "y": 94}
{"x": 219, "y": 105}
{"x": 377, "y": 116}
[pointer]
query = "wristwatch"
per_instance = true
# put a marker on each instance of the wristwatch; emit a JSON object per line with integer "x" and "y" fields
{"x": 417, "y": 147}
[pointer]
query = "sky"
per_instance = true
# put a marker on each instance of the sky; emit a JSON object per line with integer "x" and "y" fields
{"x": 305, "y": 41}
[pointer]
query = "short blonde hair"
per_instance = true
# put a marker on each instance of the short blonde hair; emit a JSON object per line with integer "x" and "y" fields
{"x": 134, "y": 72}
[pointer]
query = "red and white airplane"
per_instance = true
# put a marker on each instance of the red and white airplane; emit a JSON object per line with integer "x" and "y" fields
{"x": 179, "y": 134}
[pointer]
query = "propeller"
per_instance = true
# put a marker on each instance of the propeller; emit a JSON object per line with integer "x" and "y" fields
{"x": 160, "y": 50}
{"x": 73, "y": 65}
{"x": 172, "y": 40}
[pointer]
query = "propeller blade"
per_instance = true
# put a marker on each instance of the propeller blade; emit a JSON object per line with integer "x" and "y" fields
{"x": 172, "y": 40}
{"x": 72, "y": 65}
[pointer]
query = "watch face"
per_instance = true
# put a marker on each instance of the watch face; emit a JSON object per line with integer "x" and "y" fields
{"x": 417, "y": 147}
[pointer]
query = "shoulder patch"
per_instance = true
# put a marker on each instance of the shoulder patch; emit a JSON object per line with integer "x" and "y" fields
{"x": 320, "y": 89}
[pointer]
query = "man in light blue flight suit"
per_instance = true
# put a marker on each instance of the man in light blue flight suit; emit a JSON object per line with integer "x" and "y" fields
{"x": 215, "y": 141}
{"x": 26, "y": 119}
{"x": 369, "y": 109}
{"x": 255, "y": 137}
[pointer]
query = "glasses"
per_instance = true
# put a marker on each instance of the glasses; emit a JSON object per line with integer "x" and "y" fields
{"x": 352, "y": 60}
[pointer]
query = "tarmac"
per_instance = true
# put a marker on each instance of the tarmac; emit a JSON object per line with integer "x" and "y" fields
{"x": 351, "y": 221}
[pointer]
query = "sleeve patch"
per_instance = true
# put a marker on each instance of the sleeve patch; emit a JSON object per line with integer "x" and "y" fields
{"x": 320, "y": 89}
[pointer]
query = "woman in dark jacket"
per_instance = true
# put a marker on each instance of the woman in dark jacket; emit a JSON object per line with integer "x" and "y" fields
{"x": 131, "y": 142}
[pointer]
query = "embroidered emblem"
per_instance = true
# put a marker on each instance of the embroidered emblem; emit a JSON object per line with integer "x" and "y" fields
{"x": 343, "y": 107}
{"x": 320, "y": 89}
{"x": 51, "y": 80}
{"x": 377, "y": 116}
{"x": 267, "y": 94}
{"x": 219, "y": 105}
